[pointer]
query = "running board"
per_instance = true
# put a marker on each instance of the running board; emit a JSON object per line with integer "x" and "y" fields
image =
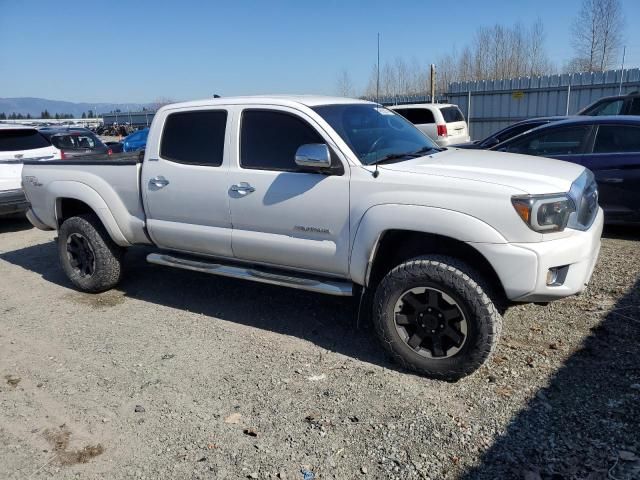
{"x": 312, "y": 284}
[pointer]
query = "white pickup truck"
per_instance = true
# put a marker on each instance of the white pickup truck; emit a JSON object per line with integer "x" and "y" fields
{"x": 336, "y": 196}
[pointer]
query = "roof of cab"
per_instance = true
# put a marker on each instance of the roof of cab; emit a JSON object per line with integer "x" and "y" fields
{"x": 286, "y": 100}
{"x": 15, "y": 126}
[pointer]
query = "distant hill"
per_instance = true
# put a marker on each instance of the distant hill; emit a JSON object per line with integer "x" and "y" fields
{"x": 34, "y": 106}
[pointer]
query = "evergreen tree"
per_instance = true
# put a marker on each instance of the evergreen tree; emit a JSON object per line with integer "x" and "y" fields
{"x": 3, "y": 116}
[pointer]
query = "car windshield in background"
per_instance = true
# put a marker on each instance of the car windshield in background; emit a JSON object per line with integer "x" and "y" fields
{"x": 28, "y": 139}
{"x": 375, "y": 133}
{"x": 452, "y": 114}
{"x": 75, "y": 141}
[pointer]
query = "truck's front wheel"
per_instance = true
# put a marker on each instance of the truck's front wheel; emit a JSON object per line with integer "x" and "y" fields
{"x": 432, "y": 314}
{"x": 91, "y": 260}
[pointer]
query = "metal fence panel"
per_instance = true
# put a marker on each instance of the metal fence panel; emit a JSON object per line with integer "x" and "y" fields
{"x": 496, "y": 104}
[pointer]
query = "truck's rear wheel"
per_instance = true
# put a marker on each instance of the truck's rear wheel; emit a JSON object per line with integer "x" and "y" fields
{"x": 434, "y": 317}
{"x": 91, "y": 260}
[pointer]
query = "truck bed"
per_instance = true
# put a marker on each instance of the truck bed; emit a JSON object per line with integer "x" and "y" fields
{"x": 112, "y": 181}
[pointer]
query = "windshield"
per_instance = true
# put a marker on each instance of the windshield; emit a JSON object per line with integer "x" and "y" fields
{"x": 375, "y": 133}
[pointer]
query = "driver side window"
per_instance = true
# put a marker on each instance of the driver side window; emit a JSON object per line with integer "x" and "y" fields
{"x": 269, "y": 139}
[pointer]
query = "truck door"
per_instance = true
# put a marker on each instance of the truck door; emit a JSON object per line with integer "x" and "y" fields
{"x": 185, "y": 179}
{"x": 280, "y": 214}
{"x": 615, "y": 162}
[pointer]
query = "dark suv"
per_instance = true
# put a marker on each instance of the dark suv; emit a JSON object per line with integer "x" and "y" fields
{"x": 74, "y": 142}
{"x": 618, "y": 105}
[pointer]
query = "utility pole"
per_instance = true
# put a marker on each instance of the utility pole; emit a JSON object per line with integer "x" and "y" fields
{"x": 624, "y": 51}
{"x": 378, "y": 72}
{"x": 433, "y": 83}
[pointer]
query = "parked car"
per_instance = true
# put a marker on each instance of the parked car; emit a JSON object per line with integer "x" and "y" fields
{"x": 608, "y": 146}
{"x": 135, "y": 141}
{"x": 74, "y": 142}
{"x": 116, "y": 147}
{"x": 509, "y": 132}
{"x": 616, "y": 105}
{"x": 336, "y": 196}
{"x": 442, "y": 122}
{"x": 18, "y": 143}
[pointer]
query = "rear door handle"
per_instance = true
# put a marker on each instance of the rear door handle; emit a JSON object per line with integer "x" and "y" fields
{"x": 612, "y": 180}
{"x": 159, "y": 182}
{"x": 243, "y": 188}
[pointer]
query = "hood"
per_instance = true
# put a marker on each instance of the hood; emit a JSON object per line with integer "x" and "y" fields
{"x": 533, "y": 175}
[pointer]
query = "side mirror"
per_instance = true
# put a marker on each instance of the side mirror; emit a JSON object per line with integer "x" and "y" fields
{"x": 313, "y": 155}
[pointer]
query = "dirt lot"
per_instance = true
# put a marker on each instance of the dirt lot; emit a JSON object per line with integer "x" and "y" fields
{"x": 183, "y": 375}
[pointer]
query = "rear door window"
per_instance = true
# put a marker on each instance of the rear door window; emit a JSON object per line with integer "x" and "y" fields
{"x": 452, "y": 114}
{"x": 16, "y": 140}
{"x": 634, "y": 109}
{"x": 417, "y": 116}
{"x": 608, "y": 107}
{"x": 617, "y": 139}
{"x": 194, "y": 138}
{"x": 563, "y": 141}
{"x": 269, "y": 139}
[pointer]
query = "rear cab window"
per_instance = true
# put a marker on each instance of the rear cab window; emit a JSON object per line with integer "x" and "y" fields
{"x": 417, "y": 116}
{"x": 269, "y": 139}
{"x": 451, "y": 114}
{"x": 195, "y": 137}
{"x": 21, "y": 139}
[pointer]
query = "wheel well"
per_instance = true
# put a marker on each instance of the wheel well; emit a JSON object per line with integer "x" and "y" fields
{"x": 397, "y": 246}
{"x": 70, "y": 207}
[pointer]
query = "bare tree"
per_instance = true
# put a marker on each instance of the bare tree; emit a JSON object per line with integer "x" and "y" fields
{"x": 344, "y": 85}
{"x": 597, "y": 35}
{"x": 539, "y": 63}
{"x": 496, "y": 52}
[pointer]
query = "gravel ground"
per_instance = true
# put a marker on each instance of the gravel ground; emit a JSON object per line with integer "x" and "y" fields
{"x": 182, "y": 375}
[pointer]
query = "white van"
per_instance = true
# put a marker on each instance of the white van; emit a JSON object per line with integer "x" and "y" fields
{"x": 444, "y": 123}
{"x": 19, "y": 143}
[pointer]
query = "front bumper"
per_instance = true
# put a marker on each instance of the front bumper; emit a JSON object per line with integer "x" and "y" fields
{"x": 523, "y": 267}
{"x": 13, "y": 202}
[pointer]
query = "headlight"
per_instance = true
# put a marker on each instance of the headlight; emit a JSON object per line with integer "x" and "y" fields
{"x": 544, "y": 213}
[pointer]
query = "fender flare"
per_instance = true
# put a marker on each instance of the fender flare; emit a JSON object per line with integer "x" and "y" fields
{"x": 84, "y": 193}
{"x": 417, "y": 218}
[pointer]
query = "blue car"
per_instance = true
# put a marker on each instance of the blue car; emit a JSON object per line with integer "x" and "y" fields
{"x": 609, "y": 146}
{"x": 136, "y": 141}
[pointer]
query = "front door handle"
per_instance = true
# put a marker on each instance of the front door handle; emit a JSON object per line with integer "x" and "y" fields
{"x": 612, "y": 180}
{"x": 159, "y": 182}
{"x": 243, "y": 188}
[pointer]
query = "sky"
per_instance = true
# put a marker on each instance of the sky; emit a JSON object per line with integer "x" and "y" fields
{"x": 140, "y": 51}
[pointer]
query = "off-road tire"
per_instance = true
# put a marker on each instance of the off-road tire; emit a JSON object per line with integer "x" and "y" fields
{"x": 455, "y": 278}
{"x": 108, "y": 255}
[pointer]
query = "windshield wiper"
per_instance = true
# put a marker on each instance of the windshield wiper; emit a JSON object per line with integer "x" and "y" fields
{"x": 391, "y": 157}
{"x": 399, "y": 156}
{"x": 424, "y": 150}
